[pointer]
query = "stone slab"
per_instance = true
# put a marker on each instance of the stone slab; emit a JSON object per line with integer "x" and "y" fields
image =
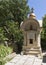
{"x": 25, "y": 60}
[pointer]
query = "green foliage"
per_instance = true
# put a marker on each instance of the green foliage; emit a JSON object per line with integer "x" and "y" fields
{"x": 16, "y": 10}
{"x": 15, "y": 34}
{"x": 4, "y": 51}
{"x": 44, "y": 28}
{"x": 2, "y": 62}
{"x": 43, "y": 44}
{"x": 2, "y": 36}
{"x": 12, "y": 12}
{"x": 12, "y": 33}
{"x": 4, "y": 12}
{"x": 43, "y": 34}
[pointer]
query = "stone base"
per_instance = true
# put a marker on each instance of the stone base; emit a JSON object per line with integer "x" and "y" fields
{"x": 32, "y": 51}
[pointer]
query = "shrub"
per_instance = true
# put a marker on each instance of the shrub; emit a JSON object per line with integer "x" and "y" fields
{"x": 4, "y": 51}
{"x": 2, "y": 62}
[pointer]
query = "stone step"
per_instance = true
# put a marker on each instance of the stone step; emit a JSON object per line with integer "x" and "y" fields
{"x": 32, "y": 49}
{"x": 32, "y": 52}
{"x": 35, "y": 47}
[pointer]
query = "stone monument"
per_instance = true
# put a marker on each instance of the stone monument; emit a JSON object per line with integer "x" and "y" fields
{"x": 32, "y": 29}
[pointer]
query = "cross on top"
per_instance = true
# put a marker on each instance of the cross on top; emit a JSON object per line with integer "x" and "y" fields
{"x": 32, "y": 9}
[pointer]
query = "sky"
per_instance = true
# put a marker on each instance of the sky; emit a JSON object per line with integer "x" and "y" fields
{"x": 39, "y": 7}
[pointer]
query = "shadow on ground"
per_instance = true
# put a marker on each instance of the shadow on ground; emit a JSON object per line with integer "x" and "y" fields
{"x": 44, "y": 59}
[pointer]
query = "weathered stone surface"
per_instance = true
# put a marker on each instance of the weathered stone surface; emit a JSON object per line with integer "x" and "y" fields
{"x": 31, "y": 29}
{"x": 25, "y": 60}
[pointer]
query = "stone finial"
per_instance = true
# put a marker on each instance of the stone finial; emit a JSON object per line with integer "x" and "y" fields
{"x": 32, "y": 10}
{"x": 32, "y": 15}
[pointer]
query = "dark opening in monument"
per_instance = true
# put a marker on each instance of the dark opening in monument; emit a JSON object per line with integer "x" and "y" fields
{"x": 31, "y": 41}
{"x": 31, "y": 27}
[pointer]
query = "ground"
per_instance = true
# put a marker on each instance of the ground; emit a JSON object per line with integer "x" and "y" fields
{"x": 26, "y": 60}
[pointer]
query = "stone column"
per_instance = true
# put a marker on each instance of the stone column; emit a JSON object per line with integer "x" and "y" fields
{"x": 39, "y": 41}
{"x": 39, "y": 44}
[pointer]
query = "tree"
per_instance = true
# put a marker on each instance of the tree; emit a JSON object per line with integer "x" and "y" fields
{"x": 12, "y": 13}
{"x": 16, "y": 10}
{"x": 11, "y": 33}
{"x": 2, "y": 37}
{"x": 14, "y": 35}
{"x": 43, "y": 34}
{"x": 44, "y": 28}
{"x": 4, "y": 12}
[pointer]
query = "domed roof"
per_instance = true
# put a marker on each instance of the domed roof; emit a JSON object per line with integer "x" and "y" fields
{"x": 31, "y": 20}
{"x": 32, "y": 15}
